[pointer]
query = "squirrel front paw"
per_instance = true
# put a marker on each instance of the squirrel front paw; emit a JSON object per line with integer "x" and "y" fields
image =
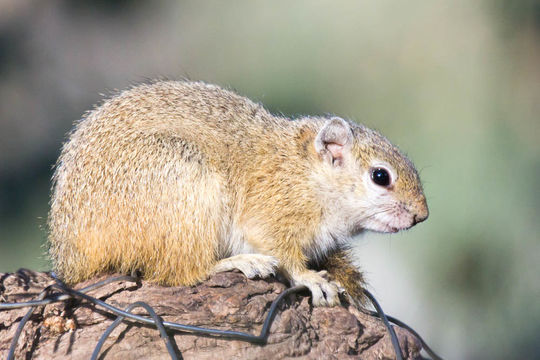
{"x": 252, "y": 265}
{"x": 324, "y": 292}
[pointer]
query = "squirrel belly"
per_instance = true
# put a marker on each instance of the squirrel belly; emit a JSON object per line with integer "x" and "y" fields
{"x": 180, "y": 180}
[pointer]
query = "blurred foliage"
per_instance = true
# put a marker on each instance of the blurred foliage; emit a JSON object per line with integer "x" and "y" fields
{"x": 455, "y": 83}
{"x": 513, "y": 14}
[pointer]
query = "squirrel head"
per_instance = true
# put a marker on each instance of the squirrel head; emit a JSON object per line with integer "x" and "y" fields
{"x": 378, "y": 187}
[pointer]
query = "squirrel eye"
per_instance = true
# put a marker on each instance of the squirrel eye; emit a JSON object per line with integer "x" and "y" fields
{"x": 380, "y": 176}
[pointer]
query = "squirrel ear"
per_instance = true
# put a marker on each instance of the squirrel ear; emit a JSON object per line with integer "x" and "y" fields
{"x": 333, "y": 140}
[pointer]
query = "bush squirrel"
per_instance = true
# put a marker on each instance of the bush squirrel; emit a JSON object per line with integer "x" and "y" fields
{"x": 180, "y": 180}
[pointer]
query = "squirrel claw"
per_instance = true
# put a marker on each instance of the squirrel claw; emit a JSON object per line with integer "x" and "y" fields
{"x": 323, "y": 291}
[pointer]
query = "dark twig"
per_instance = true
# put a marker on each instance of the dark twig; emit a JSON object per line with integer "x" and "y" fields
{"x": 24, "y": 320}
{"x": 119, "y": 319}
{"x": 230, "y": 334}
{"x": 383, "y": 317}
{"x": 400, "y": 323}
{"x": 425, "y": 346}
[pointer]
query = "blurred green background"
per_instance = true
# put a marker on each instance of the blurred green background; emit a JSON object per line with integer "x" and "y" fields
{"x": 456, "y": 84}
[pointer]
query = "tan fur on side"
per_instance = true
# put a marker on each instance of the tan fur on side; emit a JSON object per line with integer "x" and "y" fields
{"x": 171, "y": 177}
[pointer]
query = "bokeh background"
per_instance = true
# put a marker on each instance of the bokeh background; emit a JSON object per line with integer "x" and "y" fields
{"x": 456, "y": 84}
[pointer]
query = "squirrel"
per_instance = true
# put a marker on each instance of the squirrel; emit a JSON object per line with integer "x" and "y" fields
{"x": 180, "y": 180}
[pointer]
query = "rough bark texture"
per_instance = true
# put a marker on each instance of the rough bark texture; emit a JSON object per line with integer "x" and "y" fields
{"x": 226, "y": 301}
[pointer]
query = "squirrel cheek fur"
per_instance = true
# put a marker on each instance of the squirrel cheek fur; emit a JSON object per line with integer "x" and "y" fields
{"x": 180, "y": 180}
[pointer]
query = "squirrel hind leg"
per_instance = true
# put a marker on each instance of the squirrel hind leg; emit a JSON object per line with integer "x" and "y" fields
{"x": 341, "y": 269}
{"x": 251, "y": 265}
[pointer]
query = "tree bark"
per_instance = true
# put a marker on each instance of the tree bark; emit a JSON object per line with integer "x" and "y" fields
{"x": 228, "y": 301}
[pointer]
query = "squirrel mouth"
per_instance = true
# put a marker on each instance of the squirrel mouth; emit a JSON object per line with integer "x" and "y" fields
{"x": 382, "y": 227}
{"x": 390, "y": 229}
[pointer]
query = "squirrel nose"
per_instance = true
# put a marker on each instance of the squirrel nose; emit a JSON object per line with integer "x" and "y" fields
{"x": 421, "y": 212}
{"x": 418, "y": 219}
